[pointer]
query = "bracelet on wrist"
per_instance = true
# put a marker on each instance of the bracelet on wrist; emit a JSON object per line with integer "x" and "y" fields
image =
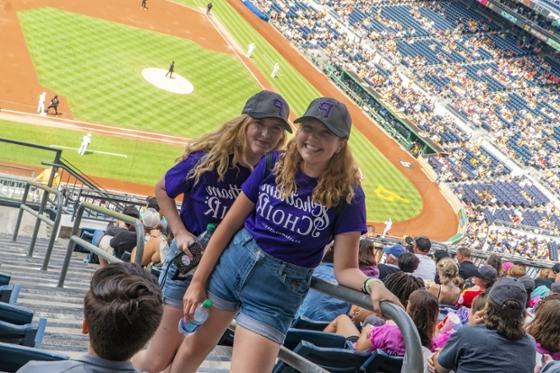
{"x": 367, "y": 282}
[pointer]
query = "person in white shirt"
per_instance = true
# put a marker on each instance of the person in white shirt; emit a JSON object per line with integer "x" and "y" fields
{"x": 427, "y": 268}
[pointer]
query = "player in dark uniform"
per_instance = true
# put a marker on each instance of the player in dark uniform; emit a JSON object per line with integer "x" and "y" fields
{"x": 170, "y": 71}
{"x": 54, "y": 104}
{"x": 209, "y": 8}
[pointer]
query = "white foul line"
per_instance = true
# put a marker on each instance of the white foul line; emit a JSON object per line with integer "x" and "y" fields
{"x": 91, "y": 151}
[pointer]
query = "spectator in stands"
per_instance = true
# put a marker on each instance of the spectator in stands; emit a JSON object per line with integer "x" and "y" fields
{"x": 155, "y": 243}
{"x": 450, "y": 287}
{"x": 366, "y": 258}
{"x": 500, "y": 345}
{"x": 402, "y": 284}
{"x": 467, "y": 268}
{"x": 124, "y": 233}
{"x": 543, "y": 279}
{"x": 209, "y": 175}
{"x": 483, "y": 281}
{"x": 423, "y": 310}
{"x": 495, "y": 261}
{"x": 545, "y": 328}
{"x": 408, "y": 263}
{"x": 317, "y": 305}
{"x": 427, "y": 268}
{"x": 556, "y": 272}
{"x": 316, "y": 170}
{"x": 392, "y": 255}
{"x": 122, "y": 310}
{"x": 517, "y": 270}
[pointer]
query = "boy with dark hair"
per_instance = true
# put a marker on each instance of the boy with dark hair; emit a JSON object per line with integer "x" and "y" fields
{"x": 122, "y": 310}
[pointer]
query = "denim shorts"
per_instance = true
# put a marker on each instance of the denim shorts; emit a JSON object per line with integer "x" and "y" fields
{"x": 172, "y": 290}
{"x": 265, "y": 291}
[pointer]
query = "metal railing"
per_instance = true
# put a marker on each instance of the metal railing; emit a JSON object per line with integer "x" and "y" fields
{"x": 75, "y": 239}
{"x": 413, "y": 346}
{"x": 40, "y": 218}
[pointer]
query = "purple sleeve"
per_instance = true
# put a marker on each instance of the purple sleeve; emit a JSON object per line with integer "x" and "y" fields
{"x": 352, "y": 218}
{"x": 251, "y": 186}
{"x": 176, "y": 177}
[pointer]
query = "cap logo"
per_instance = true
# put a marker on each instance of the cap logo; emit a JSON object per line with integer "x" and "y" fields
{"x": 277, "y": 103}
{"x": 325, "y": 107}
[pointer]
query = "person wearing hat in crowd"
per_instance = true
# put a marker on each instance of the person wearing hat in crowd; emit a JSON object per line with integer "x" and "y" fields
{"x": 209, "y": 175}
{"x": 555, "y": 288}
{"x": 427, "y": 268}
{"x": 556, "y": 272}
{"x": 467, "y": 268}
{"x": 500, "y": 344}
{"x": 483, "y": 280}
{"x": 392, "y": 255}
{"x": 155, "y": 244}
{"x": 291, "y": 206}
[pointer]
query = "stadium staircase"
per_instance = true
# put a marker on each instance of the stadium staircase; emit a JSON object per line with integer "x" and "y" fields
{"x": 63, "y": 307}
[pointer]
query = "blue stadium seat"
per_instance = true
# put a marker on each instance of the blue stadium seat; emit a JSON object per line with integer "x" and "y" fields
{"x": 380, "y": 362}
{"x": 15, "y": 314}
{"x": 13, "y": 357}
{"x": 319, "y": 338}
{"x": 335, "y": 360}
{"x": 9, "y": 293}
{"x": 29, "y": 335}
{"x": 305, "y": 323}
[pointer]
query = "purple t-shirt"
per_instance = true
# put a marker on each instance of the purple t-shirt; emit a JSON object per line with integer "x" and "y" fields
{"x": 208, "y": 200}
{"x": 296, "y": 230}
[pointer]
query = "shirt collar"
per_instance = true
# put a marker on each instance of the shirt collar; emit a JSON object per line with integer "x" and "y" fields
{"x": 108, "y": 364}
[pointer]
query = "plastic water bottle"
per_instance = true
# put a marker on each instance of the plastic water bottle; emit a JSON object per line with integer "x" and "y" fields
{"x": 200, "y": 316}
{"x": 204, "y": 238}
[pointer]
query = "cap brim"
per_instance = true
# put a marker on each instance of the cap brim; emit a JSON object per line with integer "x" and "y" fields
{"x": 286, "y": 124}
{"x": 334, "y": 130}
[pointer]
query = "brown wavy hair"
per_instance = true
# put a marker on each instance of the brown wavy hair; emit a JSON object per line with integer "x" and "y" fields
{"x": 507, "y": 320}
{"x": 334, "y": 185}
{"x": 219, "y": 145}
{"x": 545, "y": 327}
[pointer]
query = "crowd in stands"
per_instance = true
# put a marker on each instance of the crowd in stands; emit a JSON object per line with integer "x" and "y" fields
{"x": 498, "y": 82}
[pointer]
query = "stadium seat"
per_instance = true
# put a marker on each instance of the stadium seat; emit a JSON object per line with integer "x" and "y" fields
{"x": 4, "y": 279}
{"x": 380, "y": 362}
{"x": 15, "y": 314}
{"x": 9, "y": 293}
{"x": 29, "y": 335}
{"x": 13, "y": 357}
{"x": 319, "y": 338}
{"x": 335, "y": 360}
{"x": 302, "y": 322}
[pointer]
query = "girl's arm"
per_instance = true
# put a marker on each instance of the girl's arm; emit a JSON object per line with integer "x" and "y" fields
{"x": 168, "y": 208}
{"x": 233, "y": 221}
{"x": 348, "y": 274}
{"x": 364, "y": 342}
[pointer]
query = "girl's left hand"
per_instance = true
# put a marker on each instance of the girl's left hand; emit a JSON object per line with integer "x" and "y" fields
{"x": 379, "y": 293}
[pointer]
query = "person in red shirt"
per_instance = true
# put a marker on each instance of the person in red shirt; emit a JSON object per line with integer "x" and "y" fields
{"x": 483, "y": 281}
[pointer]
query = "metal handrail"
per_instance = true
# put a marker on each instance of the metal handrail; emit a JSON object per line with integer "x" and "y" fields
{"x": 40, "y": 218}
{"x": 75, "y": 239}
{"x": 413, "y": 346}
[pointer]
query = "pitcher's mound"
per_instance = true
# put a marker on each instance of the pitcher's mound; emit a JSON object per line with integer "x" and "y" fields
{"x": 177, "y": 84}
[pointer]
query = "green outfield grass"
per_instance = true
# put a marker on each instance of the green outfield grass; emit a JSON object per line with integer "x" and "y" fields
{"x": 145, "y": 162}
{"x": 97, "y": 66}
{"x": 99, "y": 71}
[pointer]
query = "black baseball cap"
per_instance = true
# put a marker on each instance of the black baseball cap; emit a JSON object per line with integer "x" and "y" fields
{"x": 268, "y": 104}
{"x": 556, "y": 268}
{"x": 508, "y": 289}
{"x": 332, "y": 113}
{"x": 487, "y": 273}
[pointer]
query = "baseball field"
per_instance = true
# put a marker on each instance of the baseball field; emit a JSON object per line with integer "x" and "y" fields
{"x": 94, "y": 55}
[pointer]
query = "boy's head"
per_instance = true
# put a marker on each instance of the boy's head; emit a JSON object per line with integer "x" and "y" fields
{"x": 122, "y": 310}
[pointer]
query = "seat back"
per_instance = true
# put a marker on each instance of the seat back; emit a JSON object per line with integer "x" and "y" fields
{"x": 9, "y": 293}
{"x": 30, "y": 335}
{"x": 4, "y": 279}
{"x": 318, "y": 338}
{"x": 335, "y": 360}
{"x": 305, "y": 323}
{"x": 380, "y": 362}
{"x": 15, "y": 314}
{"x": 13, "y": 357}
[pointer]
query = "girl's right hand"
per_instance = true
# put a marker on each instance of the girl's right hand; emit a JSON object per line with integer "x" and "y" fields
{"x": 195, "y": 294}
{"x": 183, "y": 240}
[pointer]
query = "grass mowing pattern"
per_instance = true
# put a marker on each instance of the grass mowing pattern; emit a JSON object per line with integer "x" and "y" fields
{"x": 388, "y": 192}
{"x": 97, "y": 65}
{"x": 146, "y": 162}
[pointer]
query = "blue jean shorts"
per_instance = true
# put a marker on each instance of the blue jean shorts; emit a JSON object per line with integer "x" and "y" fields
{"x": 265, "y": 291}
{"x": 172, "y": 290}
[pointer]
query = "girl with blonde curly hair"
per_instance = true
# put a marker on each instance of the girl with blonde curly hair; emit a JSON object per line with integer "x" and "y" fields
{"x": 450, "y": 287}
{"x": 209, "y": 175}
{"x": 258, "y": 265}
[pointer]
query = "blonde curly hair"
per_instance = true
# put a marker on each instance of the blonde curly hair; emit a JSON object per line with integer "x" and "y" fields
{"x": 335, "y": 184}
{"x": 219, "y": 145}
